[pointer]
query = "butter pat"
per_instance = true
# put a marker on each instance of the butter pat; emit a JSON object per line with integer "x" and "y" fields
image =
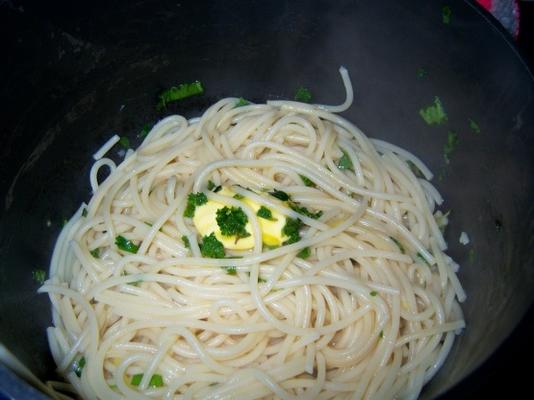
{"x": 205, "y": 221}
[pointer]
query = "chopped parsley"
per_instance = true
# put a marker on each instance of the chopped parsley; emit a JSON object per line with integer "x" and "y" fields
{"x": 373, "y": 293}
{"x": 265, "y": 213}
{"x": 211, "y": 247}
{"x": 399, "y": 245}
{"x": 185, "y": 239}
{"x": 126, "y": 244}
{"x": 39, "y": 276}
{"x": 446, "y": 14}
{"x": 303, "y": 95}
{"x": 155, "y": 381}
{"x": 124, "y": 142}
{"x": 213, "y": 187}
{"x": 434, "y": 114}
{"x": 178, "y": 93}
{"x": 421, "y": 72}
{"x": 241, "y": 102}
{"x": 232, "y": 222}
{"x": 307, "y": 181}
{"x": 95, "y": 253}
{"x": 381, "y": 335}
{"x": 474, "y": 126}
{"x": 280, "y": 195}
{"x": 238, "y": 196}
{"x": 230, "y": 270}
{"x": 84, "y": 212}
{"x": 345, "y": 162}
{"x": 144, "y": 131}
{"x": 77, "y": 367}
{"x": 448, "y": 148}
{"x": 304, "y": 211}
{"x": 291, "y": 230}
{"x": 193, "y": 201}
{"x": 304, "y": 253}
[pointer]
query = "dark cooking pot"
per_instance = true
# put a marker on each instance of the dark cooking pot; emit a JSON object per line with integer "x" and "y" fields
{"x": 73, "y": 74}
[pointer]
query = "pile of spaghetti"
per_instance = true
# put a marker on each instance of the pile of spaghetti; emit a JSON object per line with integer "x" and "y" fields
{"x": 258, "y": 251}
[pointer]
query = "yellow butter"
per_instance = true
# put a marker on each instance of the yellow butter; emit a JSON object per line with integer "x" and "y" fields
{"x": 205, "y": 220}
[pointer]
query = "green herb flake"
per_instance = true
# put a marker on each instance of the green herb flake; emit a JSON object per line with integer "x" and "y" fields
{"x": 39, "y": 276}
{"x": 84, "y": 212}
{"x": 399, "y": 244}
{"x": 381, "y": 335}
{"x": 179, "y": 92}
{"x": 373, "y": 293}
{"x": 230, "y": 270}
{"x": 95, "y": 252}
{"x": 136, "y": 283}
{"x": 448, "y": 148}
{"x": 232, "y": 222}
{"x": 304, "y": 211}
{"x": 474, "y": 126}
{"x": 421, "y": 72}
{"x": 307, "y": 181}
{"x": 261, "y": 280}
{"x": 144, "y": 131}
{"x": 265, "y": 213}
{"x": 303, "y": 95}
{"x": 420, "y": 256}
{"x": 126, "y": 244}
{"x": 155, "y": 381}
{"x": 304, "y": 253}
{"x": 292, "y": 230}
{"x": 213, "y": 187}
{"x": 434, "y": 114}
{"x": 194, "y": 200}
{"x": 241, "y": 102}
{"x": 238, "y": 196}
{"x": 185, "y": 239}
{"x": 345, "y": 162}
{"x": 77, "y": 367}
{"x": 471, "y": 256}
{"x": 124, "y": 142}
{"x": 280, "y": 195}
{"x": 212, "y": 247}
{"x": 446, "y": 14}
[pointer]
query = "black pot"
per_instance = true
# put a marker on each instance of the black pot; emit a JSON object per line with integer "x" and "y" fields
{"x": 75, "y": 73}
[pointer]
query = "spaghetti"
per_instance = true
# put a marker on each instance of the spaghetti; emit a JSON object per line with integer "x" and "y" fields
{"x": 364, "y": 303}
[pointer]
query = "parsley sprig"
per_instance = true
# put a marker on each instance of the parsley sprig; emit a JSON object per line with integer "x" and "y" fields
{"x": 232, "y": 222}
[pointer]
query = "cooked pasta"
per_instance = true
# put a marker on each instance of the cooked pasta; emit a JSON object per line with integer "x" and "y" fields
{"x": 355, "y": 299}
